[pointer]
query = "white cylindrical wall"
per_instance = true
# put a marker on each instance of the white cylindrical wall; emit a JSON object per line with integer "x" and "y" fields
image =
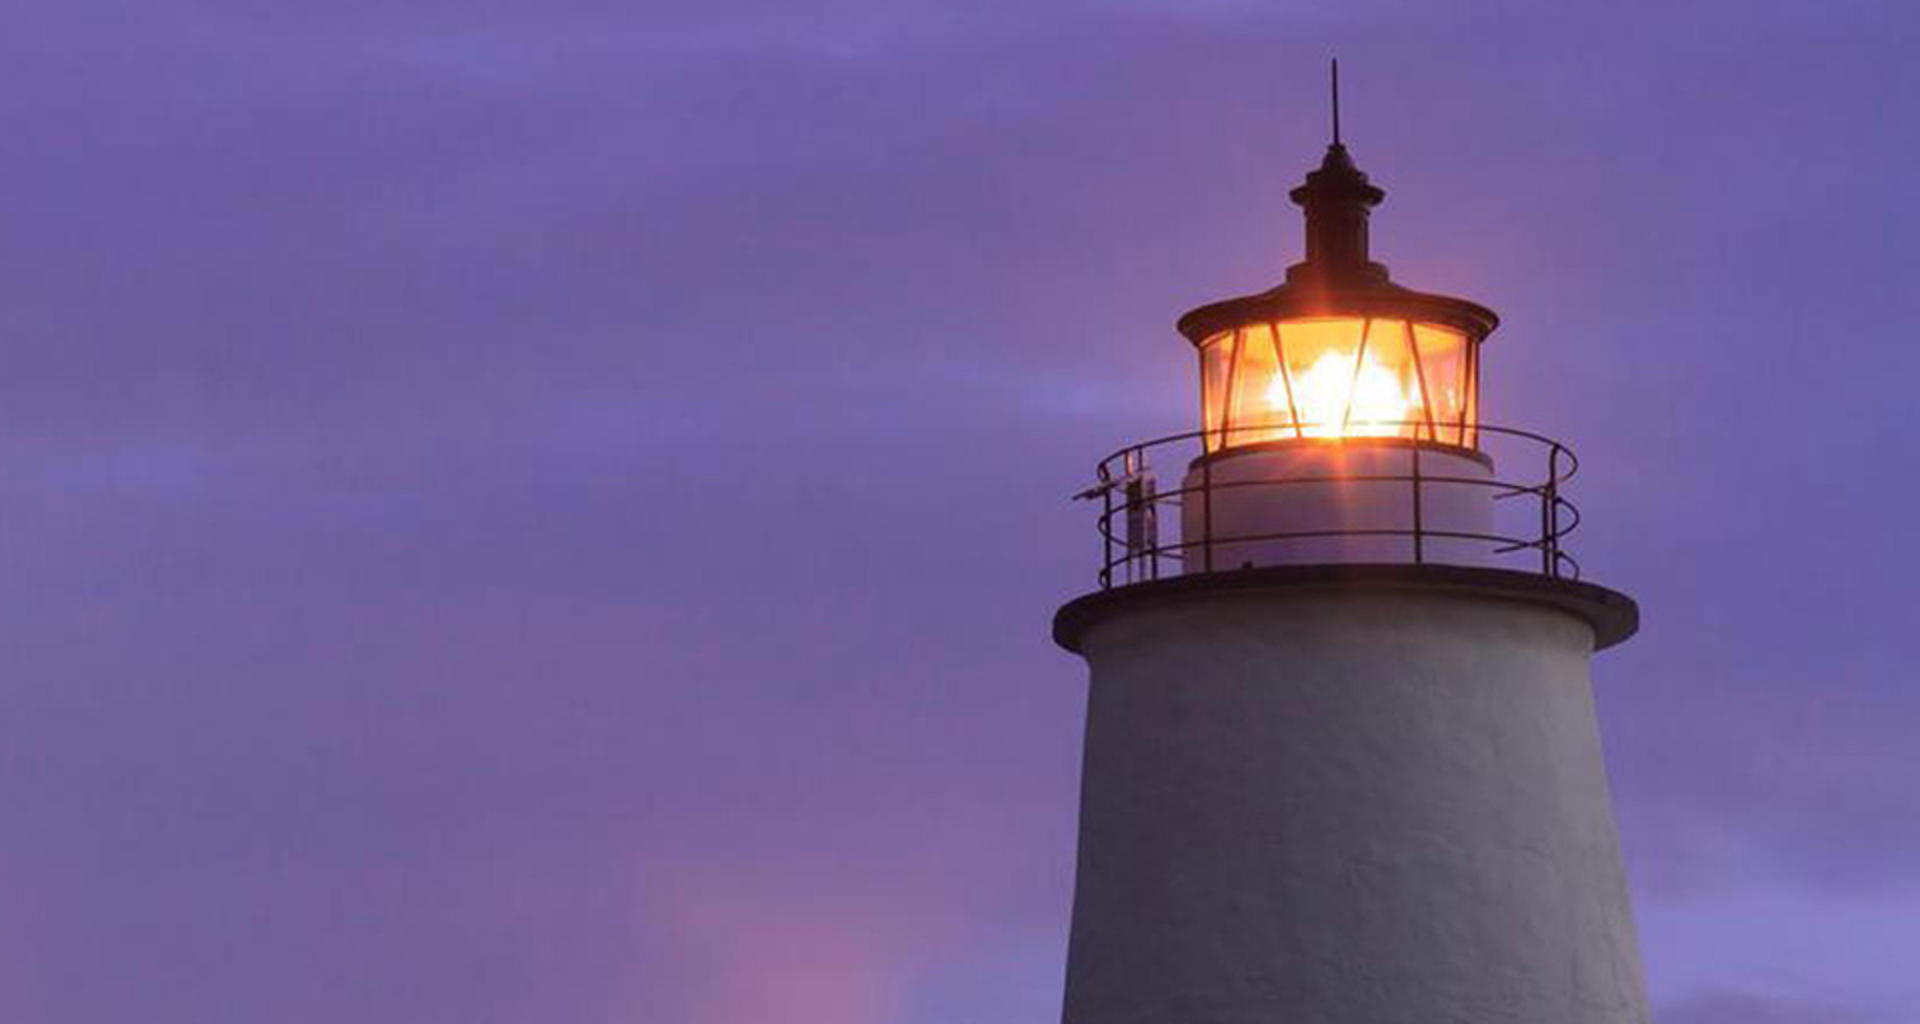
{"x": 1352, "y": 807}
{"x": 1328, "y": 489}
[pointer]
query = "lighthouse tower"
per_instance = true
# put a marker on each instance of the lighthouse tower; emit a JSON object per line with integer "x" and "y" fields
{"x": 1341, "y": 760}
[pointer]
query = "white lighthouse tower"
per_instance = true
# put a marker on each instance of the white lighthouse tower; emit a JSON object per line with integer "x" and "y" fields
{"x": 1341, "y": 762}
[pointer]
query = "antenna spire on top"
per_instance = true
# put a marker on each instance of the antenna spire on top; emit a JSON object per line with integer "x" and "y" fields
{"x": 1336, "y": 101}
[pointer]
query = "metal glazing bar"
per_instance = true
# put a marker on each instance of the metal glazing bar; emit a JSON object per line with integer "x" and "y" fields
{"x": 1353, "y": 386}
{"x": 1420, "y": 374}
{"x": 1470, "y": 400}
{"x": 1286, "y": 378}
{"x": 1228, "y": 396}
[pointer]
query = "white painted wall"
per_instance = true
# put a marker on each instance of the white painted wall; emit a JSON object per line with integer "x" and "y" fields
{"x": 1337, "y": 504}
{"x": 1372, "y": 807}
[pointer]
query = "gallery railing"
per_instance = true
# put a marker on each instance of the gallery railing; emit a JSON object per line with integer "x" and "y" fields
{"x": 1134, "y": 550}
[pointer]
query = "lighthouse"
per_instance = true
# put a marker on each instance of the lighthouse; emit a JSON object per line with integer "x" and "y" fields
{"x": 1341, "y": 758}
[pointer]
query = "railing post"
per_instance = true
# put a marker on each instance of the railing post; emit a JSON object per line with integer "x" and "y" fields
{"x": 1206, "y": 510}
{"x": 1149, "y": 519}
{"x": 1138, "y": 506}
{"x": 1550, "y": 498}
{"x": 1419, "y": 540}
{"x": 1130, "y": 481}
{"x": 1106, "y": 528}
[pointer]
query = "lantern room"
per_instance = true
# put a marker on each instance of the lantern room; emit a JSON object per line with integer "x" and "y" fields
{"x": 1335, "y": 377}
{"x": 1328, "y": 403}
{"x": 1338, "y": 351}
{"x": 1339, "y": 423}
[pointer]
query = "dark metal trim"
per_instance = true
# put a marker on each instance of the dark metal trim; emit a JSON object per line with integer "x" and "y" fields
{"x": 1248, "y": 448}
{"x": 1385, "y": 301}
{"x": 1612, "y": 615}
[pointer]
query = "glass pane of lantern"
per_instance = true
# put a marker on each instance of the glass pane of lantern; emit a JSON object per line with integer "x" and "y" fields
{"x": 1343, "y": 388}
{"x": 1443, "y": 358}
{"x": 1259, "y": 410}
{"x": 1320, "y": 354}
{"x": 1388, "y": 400}
{"x": 1216, "y": 358}
{"x": 1472, "y": 438}
{"x": 1423, "y": 424}
{"x": 1340, "y": 377}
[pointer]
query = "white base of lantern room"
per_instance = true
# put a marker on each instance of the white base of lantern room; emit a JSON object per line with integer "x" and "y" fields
{"x": 1345, "y": 805}
{"x": 1334, "y": 493}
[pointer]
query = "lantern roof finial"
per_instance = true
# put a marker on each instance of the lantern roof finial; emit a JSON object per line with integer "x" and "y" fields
{"x": 1336, "y": 199}
{"x": 1338, "y": 275}
{"x": 1336, "y": 101}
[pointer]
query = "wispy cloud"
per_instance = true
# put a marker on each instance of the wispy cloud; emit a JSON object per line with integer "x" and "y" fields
{"x": 1753, "y": 1008}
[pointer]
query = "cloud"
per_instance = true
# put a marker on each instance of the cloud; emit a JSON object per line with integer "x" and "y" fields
{"x": 1756, "y": 1008}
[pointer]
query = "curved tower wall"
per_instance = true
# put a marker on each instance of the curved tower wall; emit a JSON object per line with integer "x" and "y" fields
{"x": 1355, "y": 494}
{"x": 1360, "y": 806}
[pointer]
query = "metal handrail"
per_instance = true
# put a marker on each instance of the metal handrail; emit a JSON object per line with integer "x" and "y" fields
{"x": 1128, "y": 468}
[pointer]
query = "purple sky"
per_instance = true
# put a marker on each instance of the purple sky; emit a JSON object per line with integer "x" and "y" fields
{"x": 549, "y": 512}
